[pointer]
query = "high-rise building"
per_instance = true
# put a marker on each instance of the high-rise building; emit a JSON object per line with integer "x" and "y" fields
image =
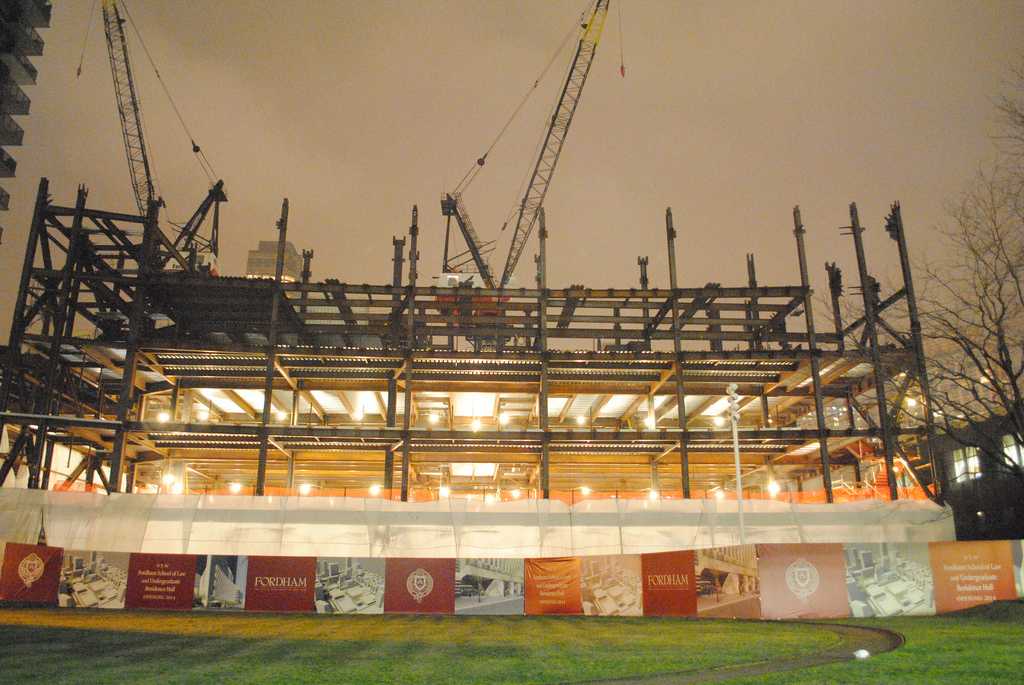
{"x": 19, "y": 40}
{"x": 262, "y": 262}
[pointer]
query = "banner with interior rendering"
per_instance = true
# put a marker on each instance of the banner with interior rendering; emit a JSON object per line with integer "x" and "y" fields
{"x": 770, "y": 581}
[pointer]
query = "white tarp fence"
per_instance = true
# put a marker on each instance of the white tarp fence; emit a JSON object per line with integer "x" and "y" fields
{"x": 348, "y": 526}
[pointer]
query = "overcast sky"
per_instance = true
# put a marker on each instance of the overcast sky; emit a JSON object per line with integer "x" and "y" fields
{"x": 730, "y": 112}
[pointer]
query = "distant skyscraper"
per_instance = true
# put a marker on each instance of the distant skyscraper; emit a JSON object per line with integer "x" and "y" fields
{"x": 262, "y": 262}
{"x": 19, "y": 40}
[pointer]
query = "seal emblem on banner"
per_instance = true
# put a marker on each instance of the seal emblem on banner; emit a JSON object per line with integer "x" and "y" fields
{"x": 419, "y": 583}
{"x": 31, "y": 569}
{"x": 802, "y": 578}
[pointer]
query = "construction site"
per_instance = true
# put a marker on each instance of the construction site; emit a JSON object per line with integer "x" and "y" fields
{"x": 134, "y": 366}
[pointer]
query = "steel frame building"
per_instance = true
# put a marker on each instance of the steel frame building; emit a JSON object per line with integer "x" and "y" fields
{"x": 121, "y": 350}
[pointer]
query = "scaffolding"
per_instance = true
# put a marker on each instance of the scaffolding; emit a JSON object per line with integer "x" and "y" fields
{"x": 152, "y": 372}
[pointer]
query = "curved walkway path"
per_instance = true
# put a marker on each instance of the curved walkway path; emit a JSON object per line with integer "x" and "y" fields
{"x": 852, "y": 638}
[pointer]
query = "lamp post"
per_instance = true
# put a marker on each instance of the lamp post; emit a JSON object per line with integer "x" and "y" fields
{"x": 734, "y": 416}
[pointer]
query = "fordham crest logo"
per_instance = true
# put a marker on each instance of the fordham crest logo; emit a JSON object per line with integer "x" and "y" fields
{"x": 31, "y": 569}
{"x": 802, "y": 578}
{"x": 419, "y": 583}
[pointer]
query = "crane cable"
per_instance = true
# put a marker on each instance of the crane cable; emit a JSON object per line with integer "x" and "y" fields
{"x": 471, "y": 174}
{"x": 201, "y": 158}
{"x": 622, "y": 59}
{"x": 85, "y": 41}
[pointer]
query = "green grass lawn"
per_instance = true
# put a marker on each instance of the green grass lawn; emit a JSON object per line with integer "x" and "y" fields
{"x": 55, "y": 646}
{"x": 52, "y": 646}
{"x": 980, "y": 646}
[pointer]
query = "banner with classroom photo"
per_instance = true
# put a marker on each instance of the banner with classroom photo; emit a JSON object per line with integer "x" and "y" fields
{"x": 802, "y": 581}
{"x": 971, "y": 573}
{"x": 611, "y": 585}
{"x": 889, "y": 579}
{"x": 493, "y": 587}
{"x": 728, "y": 585}
{"x": 93, "y": 580}
{"x": 349, "y": 585}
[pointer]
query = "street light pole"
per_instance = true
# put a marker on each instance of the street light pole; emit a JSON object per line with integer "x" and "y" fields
{"x": 734, "y": 416}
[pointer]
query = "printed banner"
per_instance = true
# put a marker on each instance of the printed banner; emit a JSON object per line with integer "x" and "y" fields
{"x": 553, "y": 586}
{"x": 1018, "y": 565}
{"x": 161, "y": 581}
{"x": 280, "y": 584}
{"x": 220, "y": 582}
{"x": 93, "y": 580}
{"x": 30, "y": 573}
{"x": 349, "y": 585}
{"x": 489, "y": 586}
{"x": 727, "y": 582}
{"x": 889, "y": 579}
{"x": 802, "y": 581}
{"x": 971, "y": 573}
{"x": 611, "y": 586}
{"x": 419, "y": 586}
{"x": 669, "y": 586}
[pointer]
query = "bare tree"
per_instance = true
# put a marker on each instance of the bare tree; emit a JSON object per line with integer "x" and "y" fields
{"x": 973, "y": 319}
{"x": 973, "y": 310}
{"x": 1011, "y": 114}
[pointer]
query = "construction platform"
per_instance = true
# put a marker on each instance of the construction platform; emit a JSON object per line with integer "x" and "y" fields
{"x": 130, "y": 369}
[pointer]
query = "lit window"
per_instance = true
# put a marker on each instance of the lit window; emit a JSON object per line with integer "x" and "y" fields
{"x": 1014, "y": 452}
{"x": 965, "y": 463}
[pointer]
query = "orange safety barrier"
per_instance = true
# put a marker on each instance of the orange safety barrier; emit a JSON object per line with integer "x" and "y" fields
{"x": 570, "y": 497}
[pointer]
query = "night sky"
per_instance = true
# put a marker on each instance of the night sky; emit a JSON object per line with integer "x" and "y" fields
{"x": 730, "y": 112}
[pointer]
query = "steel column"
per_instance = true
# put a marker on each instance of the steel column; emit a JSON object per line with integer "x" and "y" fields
{"x": 876, "y": 358}
{"x": 684, "y": 457}
{"x": 894, "y": 227}
{"x": 126, "y": 393}
{"x": 835, "y": 288}
{"x": 542, "y": 324}
{"x": 390, "y": 420}
{"x": 819, "y": 405}
{"x": 271, "y": 351}
{"x": 414, "y": 231}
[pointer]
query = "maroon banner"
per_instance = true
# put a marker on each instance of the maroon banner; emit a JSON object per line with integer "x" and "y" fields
{"x": 419, "y": 586}
{"x": 280, "y": 584}
{"x": 161, "y": 581}
{"x": 553, "y": 586}
{"x": 30, "y": 573}
{"x": 802, "y": 581}
{"x": 669, "y": 586}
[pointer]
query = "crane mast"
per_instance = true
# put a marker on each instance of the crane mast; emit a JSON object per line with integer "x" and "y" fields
{"x": 128, "y": 107}
{"x": 554, "y": 139}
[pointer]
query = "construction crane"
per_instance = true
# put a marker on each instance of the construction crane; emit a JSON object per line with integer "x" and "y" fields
{"x": 128, "y": 107}
{"x": 554, "y": 139}
{"x": 452, "y": 205}
{"x": 189, "y": 250}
